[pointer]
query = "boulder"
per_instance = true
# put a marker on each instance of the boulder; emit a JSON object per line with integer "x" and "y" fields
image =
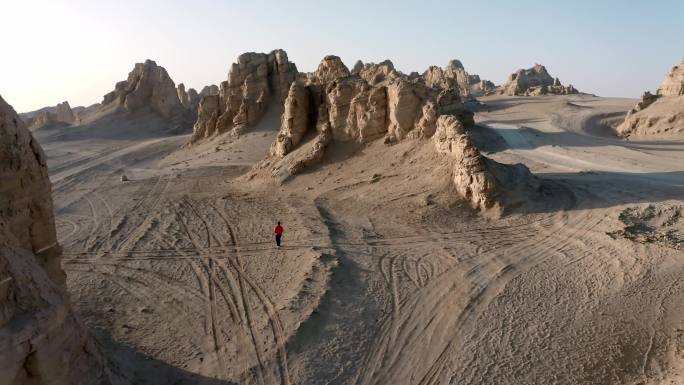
{"x": 41, "y": 341}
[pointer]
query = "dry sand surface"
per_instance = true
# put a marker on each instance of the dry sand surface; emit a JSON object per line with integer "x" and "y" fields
{"x": 385, "y": 277}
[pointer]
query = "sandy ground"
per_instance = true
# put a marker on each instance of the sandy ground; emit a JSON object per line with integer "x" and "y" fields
{"x": 385, "y": 277}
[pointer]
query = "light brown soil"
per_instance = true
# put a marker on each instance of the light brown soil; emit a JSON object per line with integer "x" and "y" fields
{"x": 385, "y": 277}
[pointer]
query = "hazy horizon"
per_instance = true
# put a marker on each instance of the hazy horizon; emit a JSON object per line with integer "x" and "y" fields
{"x": 77, "y": 50}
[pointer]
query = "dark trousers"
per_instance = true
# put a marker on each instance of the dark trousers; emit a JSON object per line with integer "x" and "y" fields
{"x": 278, "y": 239}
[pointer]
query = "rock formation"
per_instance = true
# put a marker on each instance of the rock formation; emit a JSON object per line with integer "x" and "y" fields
{"x": 255, "y": 80}
{"x": 376, "y": 73}
{"x": 189, "y": 99}
{"x": 294, "y": 121}
{"x": 372, "y": 101}
{"x": 485, "y": 183}
{"x": 662, "y": 113}
{"x": 455, "y": 75}
{"x": 673, "y": 84}
{"x": 534, "y": 81}
{"x": 41, "y": 342}
{"x": 209, "y": 90}
{"x": 148, "y": 86}
{"x": 59, "y": 115}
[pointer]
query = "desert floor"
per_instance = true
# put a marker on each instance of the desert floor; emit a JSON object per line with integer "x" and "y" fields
{"x": 385, "y": 277}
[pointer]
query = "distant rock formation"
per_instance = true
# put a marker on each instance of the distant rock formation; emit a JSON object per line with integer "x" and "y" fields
{"x": 148, "y": 86}
{"x": 59, "y": 115}
{"x": 253, "y": 82}
{"x": 455, "y": 75}
{"x": 41, "y": 342}
{"x": 209, "y": 90}
{"x": 534, "y": 81}
{"x": 190, "y": 99}
{"x": 660, "y": 114}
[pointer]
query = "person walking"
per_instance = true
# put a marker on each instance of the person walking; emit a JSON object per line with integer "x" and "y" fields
{"x": 278, "y": 233}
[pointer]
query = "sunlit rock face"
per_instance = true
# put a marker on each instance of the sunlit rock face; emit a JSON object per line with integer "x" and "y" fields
{"x": 255, "y": 82}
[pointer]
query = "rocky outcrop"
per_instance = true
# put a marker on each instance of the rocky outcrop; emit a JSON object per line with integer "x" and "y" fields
{"x": 486, "y": 184}
{"x": 372, "y": 101}
{"x": 376, "y": 74}
{"x": 209, "y": 90}
{"x": 190, "y": 98}
{"x": 368, "y": 103}
{"x": 455, "y": 75}
{"x": 294, "y": 121}
{"x": 673, "y": 84}
{"x": 59, "y": 115}
{"x": 314, "y": 153}
{"x": 330, "y": 69}
{"x": 148, "y": 85}
{"x": 534, "y": 81}
{"x": 41, "y": 342}
{"x": 660, "y": 114}
{"x": 253, "y": 82}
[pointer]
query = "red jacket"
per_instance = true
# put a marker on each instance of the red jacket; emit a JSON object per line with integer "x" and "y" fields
{"x": 279, "y": 230}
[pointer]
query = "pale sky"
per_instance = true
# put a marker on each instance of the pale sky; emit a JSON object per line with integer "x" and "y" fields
{"x": 76, "y": 50}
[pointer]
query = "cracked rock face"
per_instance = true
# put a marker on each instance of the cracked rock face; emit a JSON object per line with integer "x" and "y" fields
{"x": 41, "y": 342}
{"x": 255, "y": 82}
{"x": 534, "y": 81}
{"x": 294, "y": 121}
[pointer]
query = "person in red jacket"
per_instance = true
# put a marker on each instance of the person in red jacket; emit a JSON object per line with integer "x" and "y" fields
{"x": 278, "y": 233}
